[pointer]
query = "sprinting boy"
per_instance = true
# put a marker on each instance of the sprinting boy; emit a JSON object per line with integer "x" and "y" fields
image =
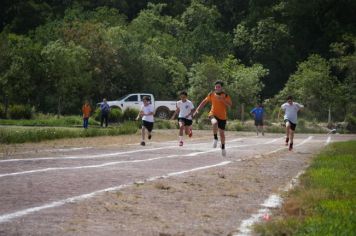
{"x": 220, "y": 101}
{"x": 290, "y": 109}
{"x": 146, "y": 112}
{"x": 185, "y": 110}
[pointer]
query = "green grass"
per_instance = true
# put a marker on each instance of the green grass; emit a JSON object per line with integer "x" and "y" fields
{"x": 16, "y": 134}
{"x": 325, "y": 201}
{"x": 50, "y": 120}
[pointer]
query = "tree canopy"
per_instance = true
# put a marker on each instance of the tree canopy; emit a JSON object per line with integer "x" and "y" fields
{"x": 54, "y": 54}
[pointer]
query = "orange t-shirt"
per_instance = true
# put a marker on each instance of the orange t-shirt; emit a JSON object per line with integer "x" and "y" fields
{"x": 218, "y": 107}
{"x": 86, "y": 109}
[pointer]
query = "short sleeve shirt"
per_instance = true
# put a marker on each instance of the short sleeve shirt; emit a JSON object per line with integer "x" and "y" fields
{"x": 258, "y": 111}
{"x": 185, "y": 108}
{"x": 291, "y": 111}
{"x": 147, "y": 109}
{"x": 218, "y": 107}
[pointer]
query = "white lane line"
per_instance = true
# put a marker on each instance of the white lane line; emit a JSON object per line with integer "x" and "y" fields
{"x": 304, "y": 141}
{"x": 125, "y": 162}
{"x": 88, "y": 157}
{"x": 328, "y": 140}
{"x": 54, "y": 150}
{"x": 273, "y": 201}
{"x": 104, "y": 155}
{"x": 17, "y": 214}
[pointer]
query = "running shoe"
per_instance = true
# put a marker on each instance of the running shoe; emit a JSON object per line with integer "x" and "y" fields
{"x": 223, "y": 152}
{"x": 287, "y": 140}
{"x": 215, "y": 143}
{"x": 190, "y": 133}
{"x": 149, "y": 136}
{"x": 290, "y": 146}
{"x": 143, "y": 143}
{"x": 180, "y": 143}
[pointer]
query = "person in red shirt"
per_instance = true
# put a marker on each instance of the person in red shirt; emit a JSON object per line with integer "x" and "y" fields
{"x": 86, "y": 110}
{"x": 220, "y": 101}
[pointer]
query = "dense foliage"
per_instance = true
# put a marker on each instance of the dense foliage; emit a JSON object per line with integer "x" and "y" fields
{"x": 54, "y": 54}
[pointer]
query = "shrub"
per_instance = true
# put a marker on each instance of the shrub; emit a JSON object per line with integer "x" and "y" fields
{"x": 20, "y": 112}
{"x": 2, "y": 112}
{"x": 115, "y": 115}
{"x": 130, "y": 114}
{"x": 351, "y": 123}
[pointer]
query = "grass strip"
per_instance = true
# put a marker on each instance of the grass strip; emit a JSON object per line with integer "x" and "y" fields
{"x": 10, "y": 135}
{"x": 63, "y": 121}
{"x": 325, "y": 201}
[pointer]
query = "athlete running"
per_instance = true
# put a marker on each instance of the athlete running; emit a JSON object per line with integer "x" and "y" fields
{"x": 290, "y": 109}
{"x": 185, "y": 110}
{"x": 220, "y": 101}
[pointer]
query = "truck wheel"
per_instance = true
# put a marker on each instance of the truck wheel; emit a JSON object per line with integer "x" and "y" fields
{"x": 162, "y": 113}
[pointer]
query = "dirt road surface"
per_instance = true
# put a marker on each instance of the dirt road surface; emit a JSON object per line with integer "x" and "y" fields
{"x": 113, "y": 186}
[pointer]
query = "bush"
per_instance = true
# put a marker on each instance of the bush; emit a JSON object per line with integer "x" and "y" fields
{"x": 115, "y": 115}
{"x": 351, "y": 123}
{"x": 130, "y": 114}
{"x": 20, "y": 112}
{"x": 2, "y": 112}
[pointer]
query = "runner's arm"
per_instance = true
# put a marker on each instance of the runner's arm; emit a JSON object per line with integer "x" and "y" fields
{"x": 201, "y": 106}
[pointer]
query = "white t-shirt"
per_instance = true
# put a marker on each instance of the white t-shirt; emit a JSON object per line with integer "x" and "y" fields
{"x": 291, "y": 111}
{"x": 185, "y": 108}
{"x": 147, "y": 109}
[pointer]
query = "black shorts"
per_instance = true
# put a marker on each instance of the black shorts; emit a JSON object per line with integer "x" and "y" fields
{"x": 186, "y": 121}
{"x": 221, "y": 123}
{"x": 292, "y": 125}
{"x": 148, "y": 125}
{"x": 259, "y": 122}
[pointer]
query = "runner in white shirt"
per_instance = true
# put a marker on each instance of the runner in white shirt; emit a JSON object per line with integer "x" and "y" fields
{"x": 185, "y": 109}
{"x": 290, "y": 109}
{"x": 146, "y": 112}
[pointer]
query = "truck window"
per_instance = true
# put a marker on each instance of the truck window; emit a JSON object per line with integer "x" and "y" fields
{"x": 132, "y": 98}
{"x": 142, "y": 95}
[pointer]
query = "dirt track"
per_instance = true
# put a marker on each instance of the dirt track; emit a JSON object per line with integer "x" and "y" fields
{"x": 112, "y": 186}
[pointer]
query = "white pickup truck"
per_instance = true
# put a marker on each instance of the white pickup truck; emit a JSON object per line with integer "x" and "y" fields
{"x": 163, "y": 109}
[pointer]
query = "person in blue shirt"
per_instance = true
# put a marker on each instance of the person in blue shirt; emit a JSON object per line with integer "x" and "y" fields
{"x": 258, "y": 113}
{"x": 104, "y": 110}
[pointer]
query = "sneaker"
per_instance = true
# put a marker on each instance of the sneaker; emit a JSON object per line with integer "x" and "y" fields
{"x": 215, "y": 143}
{"x": 190, "y": 133}
{"x": 287, "y": 140}
{"x": 143, "y": 143}
{"x": 180, "y": 143}
{"x": 223, "y": 152}
{"x": 149, "y": 136}
{"x": 290, "y": 146}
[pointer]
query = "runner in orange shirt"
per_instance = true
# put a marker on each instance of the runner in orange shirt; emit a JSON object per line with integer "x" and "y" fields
{"x": 220, "y": 101}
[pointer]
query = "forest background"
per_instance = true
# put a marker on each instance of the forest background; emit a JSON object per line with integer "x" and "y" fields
{"x": 55, "y": 54}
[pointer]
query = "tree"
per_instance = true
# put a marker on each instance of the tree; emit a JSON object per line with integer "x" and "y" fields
{"x": 314, "y": 86}
{"x": 242, "y": 83}
{"x": 20, "y": 75}
{"x": 202, "y": 36}
{"x": 66, "y": 67}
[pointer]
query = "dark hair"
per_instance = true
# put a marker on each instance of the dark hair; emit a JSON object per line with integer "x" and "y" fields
{"x": 147, "y": 98}
{"x": 183, "y": 93}
{"x": 219, "y": 82}
{"x": 289, "y": 98}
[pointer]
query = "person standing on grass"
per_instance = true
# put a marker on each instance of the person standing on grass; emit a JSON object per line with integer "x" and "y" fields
{"x": 290, "y": 109}
{"x": 185, "y": 110}
{"x": 86, "y": 110}
{"x": 104, "y": 110}
{"x": 258, "y": 115}
{"x": 220, "y": 101}
{"x": 146, "y": 112}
